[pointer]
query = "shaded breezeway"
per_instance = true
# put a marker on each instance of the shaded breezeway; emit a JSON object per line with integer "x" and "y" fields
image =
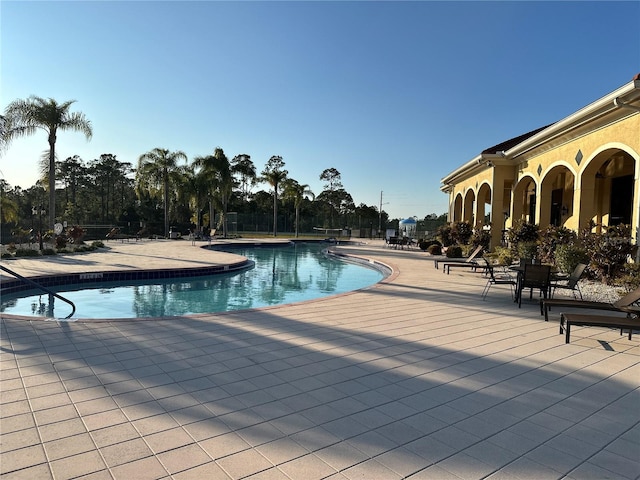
{"x": 413, "y": 378}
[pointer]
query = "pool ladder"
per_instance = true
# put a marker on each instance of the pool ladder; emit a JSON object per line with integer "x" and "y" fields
{"x": 40, "y": 287}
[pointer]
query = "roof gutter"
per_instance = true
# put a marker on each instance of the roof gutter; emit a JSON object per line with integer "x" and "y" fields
{"x": 619, "y": 103}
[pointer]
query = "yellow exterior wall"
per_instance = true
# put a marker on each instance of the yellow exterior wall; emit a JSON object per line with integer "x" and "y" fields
{"x": 570, "y": 165}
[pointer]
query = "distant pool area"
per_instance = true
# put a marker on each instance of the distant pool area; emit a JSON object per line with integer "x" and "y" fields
{"x": 272, "y": 275}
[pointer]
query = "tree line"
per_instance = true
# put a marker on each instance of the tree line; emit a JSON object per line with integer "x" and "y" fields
{"x": 165, "y": 190}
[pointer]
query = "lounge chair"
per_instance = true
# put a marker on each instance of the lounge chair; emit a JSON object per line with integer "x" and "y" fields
{"x": 631, "y": 321}
{"x": 471, "y": 257}
{"x": 620, "y": 305}
{"x": 469, "y": 260}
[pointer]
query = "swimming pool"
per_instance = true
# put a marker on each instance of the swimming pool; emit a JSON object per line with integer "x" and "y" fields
{"x": 281, "y": 275}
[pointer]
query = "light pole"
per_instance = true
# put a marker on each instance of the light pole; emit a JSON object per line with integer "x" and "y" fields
{"x": 380, "y": 215}
{"x": 39, "y": 210}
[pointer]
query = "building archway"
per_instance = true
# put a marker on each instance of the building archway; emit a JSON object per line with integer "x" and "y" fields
{"x": 556, "y": 196}
{"x": 483, "y": 205}
{"x": 457, "y": 208}
{"x": 607, "y": 189}
{"x": 525, "y": 200}
{"x": 469, "y": 210}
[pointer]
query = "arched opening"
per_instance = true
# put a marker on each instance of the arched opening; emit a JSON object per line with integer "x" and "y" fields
{"x": 525, "y": 200}
{"x": 469, "y": 210}
{"x": 556, "y": 196}
{"x": 457, "y": 209}
{"x": 483, "y": 213}
{"x": 607, "y": 189}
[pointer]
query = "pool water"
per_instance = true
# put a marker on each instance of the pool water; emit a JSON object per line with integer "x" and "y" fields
{"x": 281, "y": 275}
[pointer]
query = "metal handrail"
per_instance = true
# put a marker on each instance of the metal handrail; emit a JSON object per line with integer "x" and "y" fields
{"x": 37, "y": 285}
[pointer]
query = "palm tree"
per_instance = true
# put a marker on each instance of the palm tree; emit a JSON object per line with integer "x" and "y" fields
{"x": 159, "y": 167}
{"x": 242, "y": 166}
{"x": 8, "y": 209}
{"x": 24, "y": 117}
{"x": 217, "y": 173}
{"x": 297, "y": 193}
{"x": 274, "y": 174}
{"x": 194, "y": 191}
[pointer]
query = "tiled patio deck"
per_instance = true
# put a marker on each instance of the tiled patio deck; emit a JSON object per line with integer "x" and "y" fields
{"x": 415, "y": 378}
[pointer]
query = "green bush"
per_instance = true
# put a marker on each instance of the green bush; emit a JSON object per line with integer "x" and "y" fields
{"x": 503, "y": 255}
{"x": 551, "y": 238}
{"x": 454, "y": 251}
{"x": 481, "y": 237}
{"x": 48, "y": 251}
{"x": 523, "y": 233}
{"x": 76, "y": 233}
{"x": 630, "y": 279}
{"x": 435, "y": 249}
{"x": 425, "y": 244}
{"x": 608, "y": 251}
{"x": 527, "y": 250}
{"x": 61, "y": 242}
{"x": 7, "y": 255}
{"x": 567, "y": 257}
{"x": 97, "y": 244}
{"x": 444, "y": 234}
{"x": 26, "y": 252}
{"x": 461, "y": 232}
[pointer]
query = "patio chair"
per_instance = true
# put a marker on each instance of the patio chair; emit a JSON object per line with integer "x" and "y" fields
{"x": 622, "y": 304}
{"x": 534, "y": 276}
{"x": 473, "y": 255}
{"x": 392, "y": 242}
{"x": 470, "y": 260}
{"x": 497, "y": 279}
{"x": 631, "y": 321}
{"x": 571, "y": 282}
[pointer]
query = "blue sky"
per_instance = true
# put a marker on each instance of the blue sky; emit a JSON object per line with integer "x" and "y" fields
{"x": 395, "y": 95}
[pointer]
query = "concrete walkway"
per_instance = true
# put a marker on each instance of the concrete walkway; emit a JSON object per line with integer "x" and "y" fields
{"x": 416, "y": 378}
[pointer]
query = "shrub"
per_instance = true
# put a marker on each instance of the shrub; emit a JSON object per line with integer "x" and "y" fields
{"x": 61, "y": 242}
{"x": 435, "y": 249}
{"x": 481, "y": 237}
{"x": 454, "y": 251}
{"x": 461, "y": 232}
{"x": 26, "y": 252}
{"x": 522, "y": 232}
{"x": 84, "y": 248}
{"x": 567, "y": 257}
{"x": 527, "y": 250}
{"x": 76, "y": 233}
{"x": 7, "y": 255}
{"x": 425, "y": 244}
{"x": 97, "y": 244}
{"x": 444, "y": 234}
{"x": 48, "y": 251}
{"x": 552, "y": 237}
{"x": 630, "y": 280}
{"x": 608, "y": 251}
{"x": 503, "y": 255}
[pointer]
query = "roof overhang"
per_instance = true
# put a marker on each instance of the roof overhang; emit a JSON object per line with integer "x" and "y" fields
{"x": 619, "y": 104}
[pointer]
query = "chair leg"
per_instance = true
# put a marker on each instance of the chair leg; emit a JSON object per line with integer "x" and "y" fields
{"x": 485, "y": 292}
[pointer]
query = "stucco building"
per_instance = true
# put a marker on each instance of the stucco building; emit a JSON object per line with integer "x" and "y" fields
{"x": 583, "y": 168}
